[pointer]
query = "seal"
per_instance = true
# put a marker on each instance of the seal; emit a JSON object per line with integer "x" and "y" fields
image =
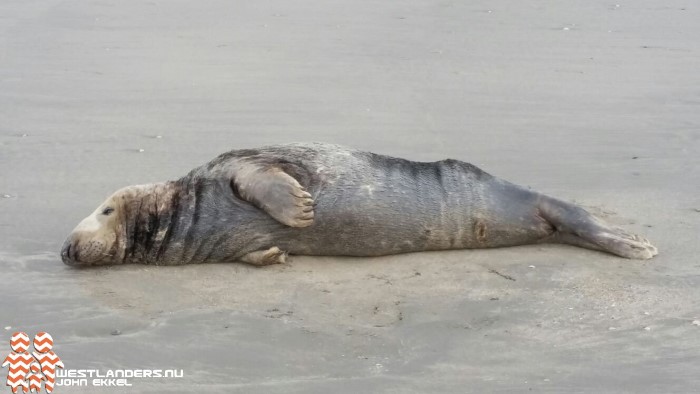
{"x": 258, "y": 205}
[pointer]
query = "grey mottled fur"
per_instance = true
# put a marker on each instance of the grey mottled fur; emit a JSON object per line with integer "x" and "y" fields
{"x": 365, "y": 204}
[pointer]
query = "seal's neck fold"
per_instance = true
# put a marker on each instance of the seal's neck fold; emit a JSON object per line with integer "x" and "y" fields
{"x": 148, "y": 222}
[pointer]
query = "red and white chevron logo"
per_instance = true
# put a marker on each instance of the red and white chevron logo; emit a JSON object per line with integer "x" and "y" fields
{"x": 43, "y": 342}
{"x": 19, "y": 342}
{"x": 29, "y": 370}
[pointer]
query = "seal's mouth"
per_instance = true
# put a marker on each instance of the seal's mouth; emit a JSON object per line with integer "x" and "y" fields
{"x": 70, "y": 255}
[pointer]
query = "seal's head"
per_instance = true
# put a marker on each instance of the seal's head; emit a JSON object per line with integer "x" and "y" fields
{"x": 104, "y": 236}
{"x": 94, "y": 240}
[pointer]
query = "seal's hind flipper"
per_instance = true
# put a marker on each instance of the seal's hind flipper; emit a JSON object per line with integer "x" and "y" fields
{"x": 276, "y": 192}
{"x": 578, "y": 227}
{"x": 265, "y": 257}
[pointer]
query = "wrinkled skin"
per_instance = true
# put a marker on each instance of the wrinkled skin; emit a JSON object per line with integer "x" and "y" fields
{"x": 103, "y": 236}
{"x": 258, "y": 205}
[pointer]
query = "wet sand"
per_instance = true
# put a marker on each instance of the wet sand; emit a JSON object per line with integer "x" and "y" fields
{"x": 592, "y": 102}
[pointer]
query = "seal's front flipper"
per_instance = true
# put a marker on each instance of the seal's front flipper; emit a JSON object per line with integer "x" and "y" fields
{"x": 277, "y": 193}
{"x": 580, "y": 228}
{"x": 265, "y": 257}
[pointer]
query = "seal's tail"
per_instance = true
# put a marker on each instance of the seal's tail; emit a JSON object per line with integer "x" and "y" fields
{"x": 576, "y": 226}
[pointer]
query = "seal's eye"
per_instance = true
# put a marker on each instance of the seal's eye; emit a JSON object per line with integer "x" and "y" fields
{"x": 107, "y": 211}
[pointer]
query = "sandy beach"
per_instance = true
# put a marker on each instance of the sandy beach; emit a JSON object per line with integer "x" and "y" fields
{"x": 595, "y": 102}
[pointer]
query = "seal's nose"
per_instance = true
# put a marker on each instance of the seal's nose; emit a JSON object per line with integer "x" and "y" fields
{"x": 66, "y": 255}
